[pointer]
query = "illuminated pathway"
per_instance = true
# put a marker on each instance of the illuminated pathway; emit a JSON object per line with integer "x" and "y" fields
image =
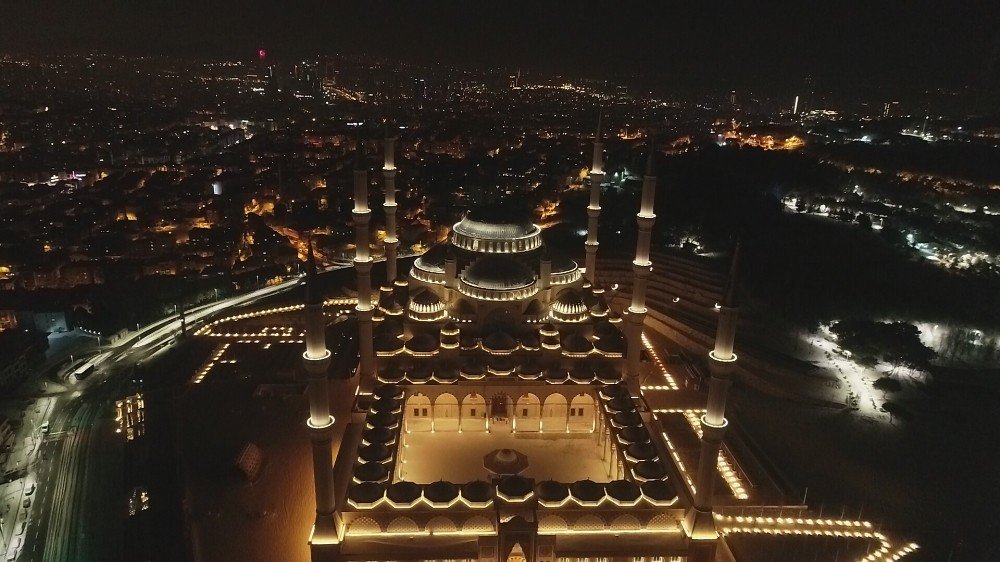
{"x": 726, "y": 468}
{"x": 661, "y": 384}
{"x": 738, "y": 524}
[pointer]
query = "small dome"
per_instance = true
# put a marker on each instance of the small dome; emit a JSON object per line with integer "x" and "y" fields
{"x": 587, "y": 491}
{"x": 440, "y": 492}
{"x": 496, "y": 272}
{"x": 613, "y": 391}
{"x": 626, "y": 419}
{"x": 404, "y": 492}
{"x": 649, "y": 470}
{"x": 384, "y": 419}
{"x": 366, "y": 493}
{"x": 422, "y": 343}
{"x": 514, "y": 488}
{"x": 500, "y": 342}
{"x": 623, "y": 491}
{"x": 426, "y": 305}
{"x": 477, "y": 491}
{"x": 390, "y": 405}
{"x": 388, "y": 391}
{"x": 633, "y": 435}
{"x": 569, "y": 306}
{"x": 376, "y": 452}
{"x": 552, "y": 491}
{"x": 641, "y": 452}
{"x": 380, "y": 435}
{"x": 529, "y": 341}
{"x": 426, "y": 298}
{"x": 575, "y": 343}
{"x": 371, "y": 472}
{"x": 658, "y": 492}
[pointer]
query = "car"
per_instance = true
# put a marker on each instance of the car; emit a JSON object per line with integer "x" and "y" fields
{"x": 30, "y": 490}
{"x": 27, "y": 503}
{"x": 44, "y": 427}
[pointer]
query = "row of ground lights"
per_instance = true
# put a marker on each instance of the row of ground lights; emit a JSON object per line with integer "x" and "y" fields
{"x": 344, "y": 301}
{"x": 660, "y": 365}
{"x": 216, "y": 358}
{"x": 726, "y": 469}
{"x": 678, "y": 461}
{"x": 816, "y": 527}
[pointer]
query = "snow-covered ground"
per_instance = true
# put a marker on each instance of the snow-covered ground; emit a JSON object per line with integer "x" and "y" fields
{"x": 964, "y": 345}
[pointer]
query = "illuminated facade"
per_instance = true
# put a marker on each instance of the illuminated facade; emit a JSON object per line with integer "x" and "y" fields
{"x": 503, "y": 413}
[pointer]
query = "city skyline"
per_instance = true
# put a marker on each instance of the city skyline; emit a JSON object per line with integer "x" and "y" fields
{"x": 902, "y": 47}
{"x": 610, "y": 282}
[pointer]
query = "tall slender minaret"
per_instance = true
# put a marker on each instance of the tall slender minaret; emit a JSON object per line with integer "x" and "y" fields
{"x": 363, "y": 266}
{"x": 641, "y": 268}
{"x": 699, "y": 520}
{"x": 389, "y": 185}
{"x": 594, "y": 208}
{"x": 320, "y": 423}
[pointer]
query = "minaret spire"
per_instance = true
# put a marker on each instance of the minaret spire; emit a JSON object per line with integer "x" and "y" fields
{"x": 316, "y": 360}
{"x": 363, "y": 266}
{"x": 699, "y": 521}
{"x": 389, "y": 185}
{"x": 594, "y": 208}
{"x": 641, "y": 268}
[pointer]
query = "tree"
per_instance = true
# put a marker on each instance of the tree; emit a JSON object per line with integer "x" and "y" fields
{"x": 888, "y": 385}
{"x": 896, "y": 343}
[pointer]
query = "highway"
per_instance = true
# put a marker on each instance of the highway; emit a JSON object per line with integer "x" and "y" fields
{"x": 72, "y": 463}
{"x": 63, "y": 462}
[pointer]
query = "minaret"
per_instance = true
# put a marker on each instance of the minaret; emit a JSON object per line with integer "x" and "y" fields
{"x": 699, "y": 521}
{"x": 363, "y": 266}
{"x": 594, "y": 208}
{"x": 320, "y": 423}
{"x": 641, "y": 268}
{"x": 389, "y": 185}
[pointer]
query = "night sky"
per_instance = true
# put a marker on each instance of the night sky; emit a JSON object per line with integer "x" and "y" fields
{"x": 898, "y": 45}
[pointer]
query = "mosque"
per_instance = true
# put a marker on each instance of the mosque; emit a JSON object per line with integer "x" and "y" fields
{"x": 499, "y": 414}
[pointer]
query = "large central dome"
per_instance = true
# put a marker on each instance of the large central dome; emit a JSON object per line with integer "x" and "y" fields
{"x": 474, "y": 228}
{"x": 497, "y": 229}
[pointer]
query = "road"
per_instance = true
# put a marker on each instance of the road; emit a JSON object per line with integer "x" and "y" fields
{"x": 72, "y": 463}
{"x": 62, "y": 463}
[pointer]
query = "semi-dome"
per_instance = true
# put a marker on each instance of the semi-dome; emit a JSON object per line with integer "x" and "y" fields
{"x": 433, "y": 259}
{"x": 498, "y": 273}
